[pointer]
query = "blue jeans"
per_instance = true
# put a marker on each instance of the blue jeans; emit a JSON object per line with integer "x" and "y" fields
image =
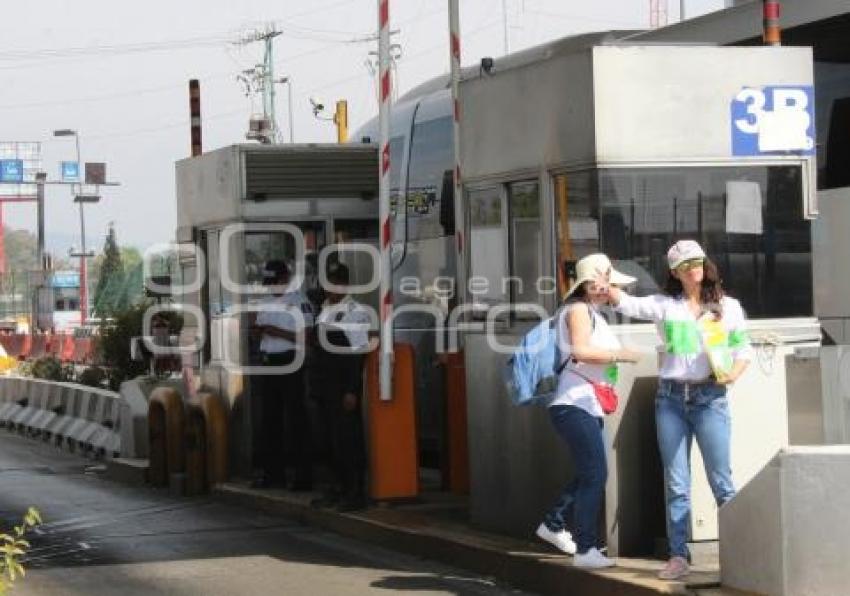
{"x": 584, "y": 437}
{"x": 682, "y": 413}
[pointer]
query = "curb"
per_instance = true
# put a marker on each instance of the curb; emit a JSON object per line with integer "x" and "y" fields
{"x": 527, "y": 569}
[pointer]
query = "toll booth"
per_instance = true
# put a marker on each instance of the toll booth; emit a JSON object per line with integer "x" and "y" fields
{"x": 586, "y": 145}
{"x": 243, "y": 205}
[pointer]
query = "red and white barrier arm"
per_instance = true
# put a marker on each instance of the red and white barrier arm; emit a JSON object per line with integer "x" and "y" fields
{"x": 385, "y": 83}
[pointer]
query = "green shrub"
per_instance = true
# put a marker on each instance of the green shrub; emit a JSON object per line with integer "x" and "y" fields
{"x": 113, "y": 344}
{"x": 13, "y": 547}
{"x": 51, "y": 368}
{"x": 93, "y": 376}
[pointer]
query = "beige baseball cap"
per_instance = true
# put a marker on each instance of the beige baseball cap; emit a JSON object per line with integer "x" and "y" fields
{"x": 591, "y": 266}
{"x": 684, "y": 250}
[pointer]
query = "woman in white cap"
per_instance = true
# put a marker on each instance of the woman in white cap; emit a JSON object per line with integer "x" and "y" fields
{"x": 706, "y": 349}
{"x": 590, "y": 352}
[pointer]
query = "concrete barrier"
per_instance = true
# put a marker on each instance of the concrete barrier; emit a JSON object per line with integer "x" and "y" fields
{"x": 54, "y": 405}
{"x": 70, "y": 415}
{"x": 787, "y": 532}
{"x": 15, "y": 400}
{"x": 36, "y": 402}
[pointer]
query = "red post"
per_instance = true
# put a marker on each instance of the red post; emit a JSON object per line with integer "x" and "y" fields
{"x": 195, "y": 116}
{"x": 772, "y": 31}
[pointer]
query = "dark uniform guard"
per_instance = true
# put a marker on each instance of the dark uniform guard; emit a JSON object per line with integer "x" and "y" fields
{"x": 284, "y": 423}
{"x": 343, "y": 337}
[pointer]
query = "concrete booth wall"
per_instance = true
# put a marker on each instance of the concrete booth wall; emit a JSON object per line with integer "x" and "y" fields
{"x": 615, "y": 106}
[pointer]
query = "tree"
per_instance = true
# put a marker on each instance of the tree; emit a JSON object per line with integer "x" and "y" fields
{"x": 108, "y": 295}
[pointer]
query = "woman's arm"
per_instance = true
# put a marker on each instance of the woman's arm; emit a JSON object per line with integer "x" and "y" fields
{"x": 649, "y": 308}
{"x": 739, "y": 341}
{"x": 580, "y": 328}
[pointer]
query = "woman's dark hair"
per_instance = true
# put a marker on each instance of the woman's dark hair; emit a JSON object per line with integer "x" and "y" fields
{"x": 711, "y": 290}
{"x": 578, "y": 295}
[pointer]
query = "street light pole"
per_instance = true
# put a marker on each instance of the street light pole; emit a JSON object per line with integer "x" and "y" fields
{"x": 287, "y": 80}
{"x": 84, "y": 291}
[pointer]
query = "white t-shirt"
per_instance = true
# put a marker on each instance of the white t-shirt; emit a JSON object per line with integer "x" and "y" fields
{"x": 349, "y": 316}
{"x": 283, "y": 312}
{"x": 572, "y": 389}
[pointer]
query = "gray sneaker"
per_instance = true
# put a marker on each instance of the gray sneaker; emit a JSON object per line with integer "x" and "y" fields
{"x": 676, "y": 568}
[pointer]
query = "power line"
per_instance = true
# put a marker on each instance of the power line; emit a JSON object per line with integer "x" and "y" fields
{"x": 131, "y": 48}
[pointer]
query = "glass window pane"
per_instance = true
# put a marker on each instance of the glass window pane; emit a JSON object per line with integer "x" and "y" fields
{"x": 832, "y": 115}
{"x": 526, "y": 241}
{"x": 748, "y": 219}
{"x": 487, "y": 254}
{"x": 430, "y": 158}
{"x": 576, "y": 222}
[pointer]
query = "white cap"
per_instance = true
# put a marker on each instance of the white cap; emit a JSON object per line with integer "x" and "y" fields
{"x": 591, "y": 266}
{"x": 684, "y": 250}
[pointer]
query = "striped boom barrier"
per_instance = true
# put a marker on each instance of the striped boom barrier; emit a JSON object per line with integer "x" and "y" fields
{"x": 385, "y": 94}
{"x": 772, "y": 31}
{"x": 454, "y": 58}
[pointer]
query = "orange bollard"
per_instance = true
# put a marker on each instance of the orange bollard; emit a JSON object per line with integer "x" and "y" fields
{"x": 195, "y": 450}
{"x": 392, "y": 444}
{"x": 458, "y": 448}
{"x": 215, "y": 416}
{"x": 166, "y": 420}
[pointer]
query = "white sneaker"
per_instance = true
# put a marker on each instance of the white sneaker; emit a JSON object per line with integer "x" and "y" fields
{"x": 562, "y": 540}
{"x": 593, "y": 559}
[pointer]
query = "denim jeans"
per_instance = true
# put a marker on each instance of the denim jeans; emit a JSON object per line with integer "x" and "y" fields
{"x": 682, "y": 413}
{"x": 584, "y": 437}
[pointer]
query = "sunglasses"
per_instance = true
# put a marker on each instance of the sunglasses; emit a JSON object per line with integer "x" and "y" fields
{"x": 690, "y": 264}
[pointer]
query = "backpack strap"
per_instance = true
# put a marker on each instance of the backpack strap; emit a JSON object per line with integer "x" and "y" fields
{"x": 561, "y": 366}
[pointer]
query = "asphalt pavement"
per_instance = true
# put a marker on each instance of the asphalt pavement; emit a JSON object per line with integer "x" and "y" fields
{"x": 100, "y": 537}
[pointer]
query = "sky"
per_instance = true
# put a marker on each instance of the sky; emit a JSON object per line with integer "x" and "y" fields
{"x": 117, "y": 73}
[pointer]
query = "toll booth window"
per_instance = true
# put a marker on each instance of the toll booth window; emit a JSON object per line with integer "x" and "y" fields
{"x": 430, "y": 157}
{"x": 487, "y": 251}
{"x": 832, "y": 113}
{"x": 748, "y": 219}
{"x": 361, "y": 267}
{"x": 525, "y": 241}
{"x": 576, "y": 222}
{"x": 261, "y": 247}
{"x": 214, "y": 298}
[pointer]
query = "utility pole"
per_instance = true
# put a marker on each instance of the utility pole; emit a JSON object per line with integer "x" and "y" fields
{"x": 260, "y": 79}
{"x": 507, "y": 45}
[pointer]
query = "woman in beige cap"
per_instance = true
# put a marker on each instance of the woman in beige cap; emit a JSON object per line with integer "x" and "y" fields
{"x": 706, "y": 349}
{"x": 589, "y": 351}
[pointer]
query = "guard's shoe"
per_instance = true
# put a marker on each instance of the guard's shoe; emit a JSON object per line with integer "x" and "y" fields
{"x": 676, "y": 568}
{"x": 562, "y": 540}
{"x": 593, "y": 559}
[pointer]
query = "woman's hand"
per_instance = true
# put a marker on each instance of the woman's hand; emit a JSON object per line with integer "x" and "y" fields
{"x": 738, "y": 368}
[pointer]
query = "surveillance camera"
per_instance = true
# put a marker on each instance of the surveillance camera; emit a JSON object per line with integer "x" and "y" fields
{"x": 317, "y": 107}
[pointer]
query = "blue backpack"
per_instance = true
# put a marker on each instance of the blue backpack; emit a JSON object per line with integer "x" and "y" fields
{"x": 531, "y": 373}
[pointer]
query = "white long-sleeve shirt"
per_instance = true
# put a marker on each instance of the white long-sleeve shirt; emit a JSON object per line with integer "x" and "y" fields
{"x": 288, "y": 312}
{"x": 684, "y": 336}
